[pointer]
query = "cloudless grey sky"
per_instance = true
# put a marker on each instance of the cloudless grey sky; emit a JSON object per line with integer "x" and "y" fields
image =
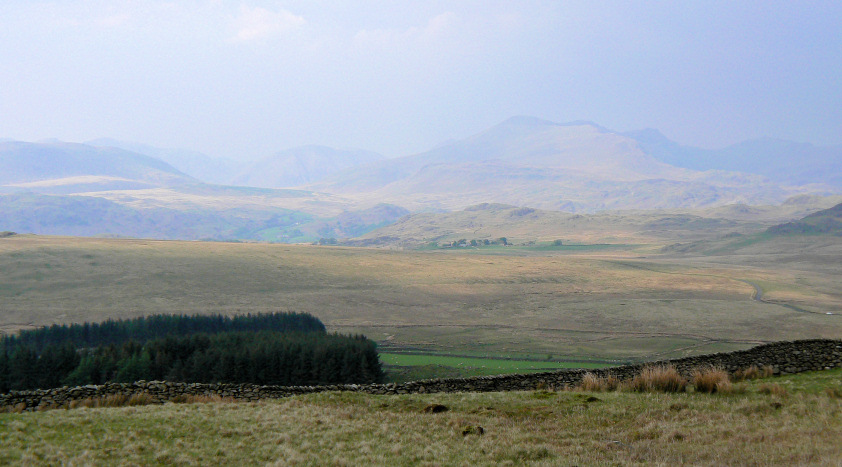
{"x": 244, "y": 79}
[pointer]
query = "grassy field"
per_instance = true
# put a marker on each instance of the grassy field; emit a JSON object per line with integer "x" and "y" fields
{"x": 794, "y": 420}
{"x": 619, "y": 305}
{"x": 408, "y": 366}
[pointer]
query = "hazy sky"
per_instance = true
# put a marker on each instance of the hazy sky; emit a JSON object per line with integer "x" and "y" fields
{"x": 244, "y": 79}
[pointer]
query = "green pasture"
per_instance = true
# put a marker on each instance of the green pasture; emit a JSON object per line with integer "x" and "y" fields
{"x": 491, "y": 365}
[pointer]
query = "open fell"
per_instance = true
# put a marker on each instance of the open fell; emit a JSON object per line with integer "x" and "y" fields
{"x": 525, "y": 224}
{"x": 793, "y": 420}
{"x": 605, "y": 305}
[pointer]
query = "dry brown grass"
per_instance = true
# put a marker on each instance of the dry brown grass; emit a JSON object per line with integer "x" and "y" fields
{"x": 660, "y": 378}
{"x": 710, "y": 380}
{"x": 201, "y": 399}
{"x": 752, "y": 372}
{"x": 18, "y": 408}
{"x": 773, "y": 389}
{"x": 590, "y": 305}
{"x": 593, "y": 383}
{"x": 113, "y": 400}
{"x": 833, "y": 393}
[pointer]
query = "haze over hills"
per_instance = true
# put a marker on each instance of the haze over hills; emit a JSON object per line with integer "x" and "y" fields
{"x": 60, "y": 188}
{"x": 288, "y": 168}
{"x": 58, "y": 166}
{"x": 302, "y": 165}
{"x": 523, "y": 224}
{"x": 576, "y": 167}
{"x": 779, "y": 160}
{"x": 824, "y": 222}
{"x": 196, "y": 164}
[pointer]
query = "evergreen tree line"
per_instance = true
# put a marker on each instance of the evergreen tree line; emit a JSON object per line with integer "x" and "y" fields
{"x": 265, "y": 357}
{"x": 147, "y": 328}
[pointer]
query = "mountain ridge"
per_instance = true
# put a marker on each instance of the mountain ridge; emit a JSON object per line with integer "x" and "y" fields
{"x": 824, "y": 222}
{"x": 194, "y": 163}
{"x": 67, "y": 164}
{"x": 576, "y": 166}
{"x": 302, "y": 165}
{"x": 777, "y": 159}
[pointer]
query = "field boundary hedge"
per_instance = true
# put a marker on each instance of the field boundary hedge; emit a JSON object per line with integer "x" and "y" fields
{"x": 782, "y": 357}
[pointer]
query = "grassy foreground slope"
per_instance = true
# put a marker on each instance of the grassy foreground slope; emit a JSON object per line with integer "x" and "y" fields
{"x": 514, "y": 303}
{"x": 794, "y": 420}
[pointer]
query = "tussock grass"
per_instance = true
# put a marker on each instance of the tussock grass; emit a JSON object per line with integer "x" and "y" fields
{"x": 620, "y": 428}
{"x": 114, "y": 400}
{"x": 774, "y": 389}
{"x": 661, "y": 378}
{"x": 711, "y": 380}
{"x": 123, "y": 400}
{"x": 835, "y": 393}
{"x": 753, "y": 372}
{"x": 594, "y": 383}
{"x": 201, "y": 399}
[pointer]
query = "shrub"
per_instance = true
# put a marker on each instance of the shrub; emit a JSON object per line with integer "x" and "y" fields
{"x": 711, "y": 380}
{"x": 658, "y": 379}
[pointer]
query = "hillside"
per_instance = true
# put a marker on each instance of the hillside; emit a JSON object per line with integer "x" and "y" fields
{"x": 778, "y": 160}
{"x": 196, "y": 217}
{"x": 196, "y": 164}
{"x": 826, "y": 222}
{"x": 60, "y": 188}
{"x": 70, "y": 167}
{"x": 521, "y": 224}
{"x": 92, "y": 216}
{"x": 301, "y": 165}
{"x": 575, "y": 167}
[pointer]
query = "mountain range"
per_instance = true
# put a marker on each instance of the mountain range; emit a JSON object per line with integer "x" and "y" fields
{"x": 302, "y": 165}
{"x": 200, "y": 166}
{"x": 73, "y": 167}
{"x": 574, "y": 167}
{"x": 577, "y": 167}
{"x": 778, "y": 160}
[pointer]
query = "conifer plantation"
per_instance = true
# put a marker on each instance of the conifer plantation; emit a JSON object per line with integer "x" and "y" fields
{"x": 276, "y": 348}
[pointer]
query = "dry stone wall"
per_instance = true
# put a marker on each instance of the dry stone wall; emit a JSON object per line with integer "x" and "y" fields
{"x": 782, "y": 357}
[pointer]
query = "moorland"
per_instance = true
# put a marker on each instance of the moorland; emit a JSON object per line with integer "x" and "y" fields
{"x": 529, "y": 246}
{"x": 531, "y": 300}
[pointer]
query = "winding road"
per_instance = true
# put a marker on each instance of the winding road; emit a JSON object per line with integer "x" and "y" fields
{"x": 758, "y": 296}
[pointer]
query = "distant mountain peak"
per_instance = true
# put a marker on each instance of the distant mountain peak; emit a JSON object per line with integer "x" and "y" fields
{"x": 489, "y": 207}
{"x": 526, "y": 121}
{"x": 649, "y": 136}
